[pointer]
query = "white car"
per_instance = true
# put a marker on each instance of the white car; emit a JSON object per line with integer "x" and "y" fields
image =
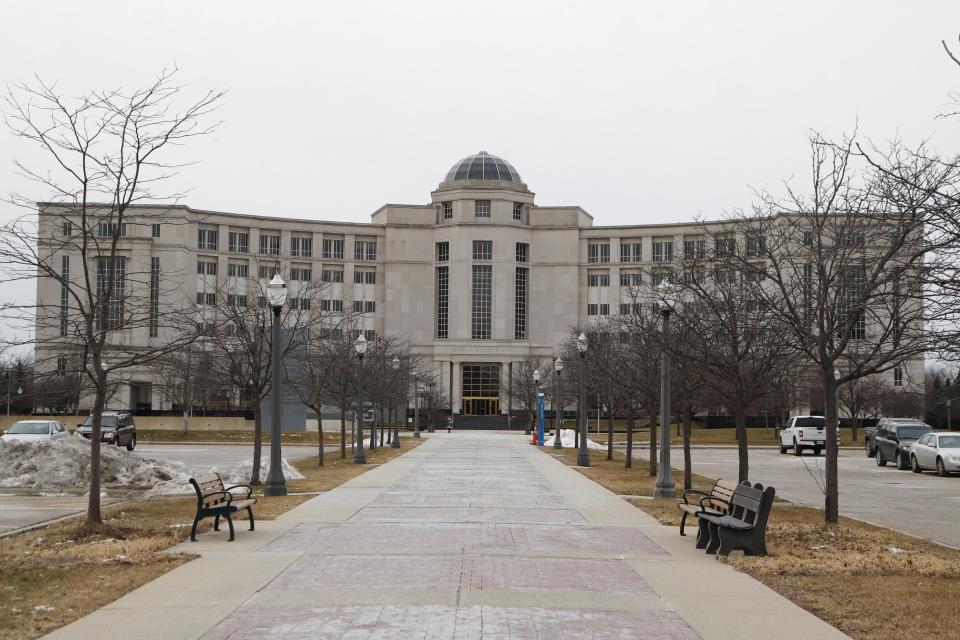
{"x": 938, "y": 450}
{"x": 804, "y": 432}
{"x": 34, "y": 431}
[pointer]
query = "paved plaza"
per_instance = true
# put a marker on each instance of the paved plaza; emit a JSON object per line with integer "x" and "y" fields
{"x": 471, "y": 535}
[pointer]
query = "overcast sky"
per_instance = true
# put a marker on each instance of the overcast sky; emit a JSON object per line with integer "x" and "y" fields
{"x": 637, "y": 111}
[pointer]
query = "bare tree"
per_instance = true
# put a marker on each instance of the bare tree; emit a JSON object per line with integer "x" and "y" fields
{"x": 107, "y": 152}
{"x": 522, "y": 389}
{"x": 341, "y": 384}
{"x": 185, "y": 378}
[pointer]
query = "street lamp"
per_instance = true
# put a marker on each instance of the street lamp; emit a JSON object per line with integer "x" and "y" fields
{"x": 558, "y": 367}
{"x": 536, "y": 399}
{"x": 583, "y": 458}
{"x": 416, "y": 407}
{"x": 665, "y": 487}
{"x": 277, "y": 296}
{"x": 396, "y": 429}
{"x": 360, "y": 346}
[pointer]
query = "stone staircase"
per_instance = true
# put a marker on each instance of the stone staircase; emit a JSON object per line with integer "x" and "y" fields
{"x": 481, "y": 422}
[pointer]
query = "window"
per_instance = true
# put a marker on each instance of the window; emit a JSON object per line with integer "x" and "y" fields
{"x": 447, "y": 210}
{"x": 238, "y": 242}
{"x": 443, "y": 251}
{"x": 518, "y": 211}
{"x": 269, "y": 244}
{"x": 523, "y": 252}
{"x": 303, "y": 304}
{"x": 333, "y": 249}
{"x": 754, "y": 245}
{"x": 694, "y": 249}
{"x": 598, "y": 309}
{"x": 301, "y": 247}
{"x": 68, "y": 228}
{"x": 109, "y": 229}
{"x": 481, "y": 208}
{"x": 238, "y": 270}
{"x": 482, "y": 302}
{"x": 364, "y": 277}
{"x": 849, "y": 239}
{"x": 694, "y": 276}
{"x": 331, "y": 275}
{"x": 155, "y": 230}
{"x": 660, "y": 275}
{"x": 206, "y": 267}
{"x": 725, "y": 247}
{"x": 520, "y": 304}
{"x": 331, "y": 305}
{"x": 266, "y": 272}
{"x": 630, "y": 279}
{"x": 64, "y": 293}
{"x": 443, "y": 302}
{"x": 364, "y": 306}
{"x": 629, "y": 309}
{"x": 631, "y": 251}
{"x": 662, "y": 250}
{"x": 598, "y": 252}
{"x": 808, "y": 238}
{"x": 365, "y": 250}
{"x": 237, "y": 300}
{"x": 898, "y": 376}
{"x": 206, "y": 299}
{"x": 111, "y": 287}
{"x": 207, "y": 239}
{"x": 597, "y": 279}
{"x": 301, "y": 273}
{"x": 722, "y": 275}
{"x": 483, "y": 249}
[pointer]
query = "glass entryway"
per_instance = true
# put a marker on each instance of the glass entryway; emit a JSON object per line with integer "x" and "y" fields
{"x": 481, "y": 389}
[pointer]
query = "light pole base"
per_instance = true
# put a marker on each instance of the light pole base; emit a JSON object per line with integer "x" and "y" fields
{"x": 396, "y": 441}
{"x": 665, "y": 492}
{"x": 360, "y": 459}
{"x": 583, "y": 459}
{"x": 275, "y": 488}
{"x": 557, "y": 444}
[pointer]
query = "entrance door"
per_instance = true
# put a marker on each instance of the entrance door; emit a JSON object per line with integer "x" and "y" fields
{"x": 481, "y": 389}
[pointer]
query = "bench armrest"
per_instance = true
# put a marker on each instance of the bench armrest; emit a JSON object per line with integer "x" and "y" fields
{"x": 713, "y": 499}
{"x": 692, "y": 492}
{"x": 241, "y": 486}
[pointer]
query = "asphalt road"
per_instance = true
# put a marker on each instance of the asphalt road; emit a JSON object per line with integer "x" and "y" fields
{"x": 923, "y": 505}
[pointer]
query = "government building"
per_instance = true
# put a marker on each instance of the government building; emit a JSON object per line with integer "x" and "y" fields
{"x": 476, "y": 280}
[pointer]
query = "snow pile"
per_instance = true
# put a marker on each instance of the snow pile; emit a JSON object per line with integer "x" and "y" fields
{"x": 66, "y": 463}
{"x": 568, "y": 438}
{"x": 241, "y": 472}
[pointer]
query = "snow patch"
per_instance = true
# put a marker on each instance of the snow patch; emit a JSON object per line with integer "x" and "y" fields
{"x": 568, "y": 438}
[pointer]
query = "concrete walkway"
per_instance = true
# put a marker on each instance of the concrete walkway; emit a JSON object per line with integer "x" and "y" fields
{"x": 471, "y": 535}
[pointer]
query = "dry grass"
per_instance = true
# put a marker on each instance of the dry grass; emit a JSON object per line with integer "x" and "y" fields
{"x": 867, "y": 581}
{"x": 287, "y": 437}
{"x": 76, "y": 570}
{"x": 717, "y": 436}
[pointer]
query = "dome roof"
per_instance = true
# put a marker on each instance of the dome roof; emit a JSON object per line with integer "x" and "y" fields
{"x": 483, "y": 166}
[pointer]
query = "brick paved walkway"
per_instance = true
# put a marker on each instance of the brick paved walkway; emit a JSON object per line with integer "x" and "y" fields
{"x": 470, "y": 535}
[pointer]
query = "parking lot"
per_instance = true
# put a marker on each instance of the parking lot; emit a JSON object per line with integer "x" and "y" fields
{"x": 924, "y": 505}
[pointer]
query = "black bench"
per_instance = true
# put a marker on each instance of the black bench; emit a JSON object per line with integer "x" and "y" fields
{"x": 717, "y": 501}
{"x": 744, "y": 527}
{"x": 214, "y": 500}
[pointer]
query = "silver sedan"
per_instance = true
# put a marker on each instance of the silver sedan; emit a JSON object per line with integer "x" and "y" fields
{"x": 938, "y": 450}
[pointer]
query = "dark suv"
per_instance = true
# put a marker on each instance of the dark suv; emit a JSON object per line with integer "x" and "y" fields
{"x": 895, "y": 437}
{"x": 116, "y": 427}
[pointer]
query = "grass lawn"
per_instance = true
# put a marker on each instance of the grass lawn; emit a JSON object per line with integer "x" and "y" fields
{"x": 713, "y": 436}
{"x": 867, "y": 581}
{"x": 75, "y": 570}
{"x": 288, "y": 437}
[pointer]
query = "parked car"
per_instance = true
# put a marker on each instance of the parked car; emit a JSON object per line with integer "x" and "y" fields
{"x": 116, "y": 427}
{"x": 894, "y": 439}
{"x": 869, "y": 441}
{"x": 804, "y": 432}
{"x": 34, "y": 431}
{"x": 937, "y": 450}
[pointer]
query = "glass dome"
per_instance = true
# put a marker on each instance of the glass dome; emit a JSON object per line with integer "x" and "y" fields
{"x": 483, "y": 166}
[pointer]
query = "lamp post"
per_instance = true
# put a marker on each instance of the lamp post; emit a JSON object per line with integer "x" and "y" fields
{"x": 416, "y": 407}
{"x": 396, "y": 430}
{"x": 536, "y": 399}
{"x": 583, "y": 457}
{"x": 558, "y": 367}
{"x": 665, "y": 487}
{"x": 276, "y": 484}
{"x": 360, "y": 346}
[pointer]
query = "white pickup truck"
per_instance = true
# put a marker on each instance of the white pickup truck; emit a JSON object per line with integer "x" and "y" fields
{"x": 804, "y": 432}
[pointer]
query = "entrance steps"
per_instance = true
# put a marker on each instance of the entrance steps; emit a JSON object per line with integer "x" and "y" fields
{"x": 481, "y": 422}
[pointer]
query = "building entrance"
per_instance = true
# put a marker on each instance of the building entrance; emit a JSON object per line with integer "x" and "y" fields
{"x": 481, "y": 389}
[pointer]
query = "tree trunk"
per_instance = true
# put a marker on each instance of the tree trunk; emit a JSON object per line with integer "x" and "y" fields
{"x": 855, "y": 426}
{"x": 343, "y": 434}
{"x": 653, "y": 446}
{"x": 610, "y": 434}
{"x": 319, "y": 435}
{"x": 740, "y": 422}
{"x": 257, "y": 445}
{"x": 576, "y": 430}
{"x": 628, "y": 462}
{"x": 93, "y": 499}
{"x": 186, "y": 419}
{"x": 687, "y": 472}
{"x": 831, "y": 506}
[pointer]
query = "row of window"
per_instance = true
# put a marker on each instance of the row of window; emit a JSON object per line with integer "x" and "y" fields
{"x": 297, "y": 273}
{"x": 483, "y": 250}
{"x": 300, "y": 247}
{"x": 632, "y": 250}
{"x": 326, "y": 304}
{"x": 481, "y": 209}
{"x": 109, "y": 229}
